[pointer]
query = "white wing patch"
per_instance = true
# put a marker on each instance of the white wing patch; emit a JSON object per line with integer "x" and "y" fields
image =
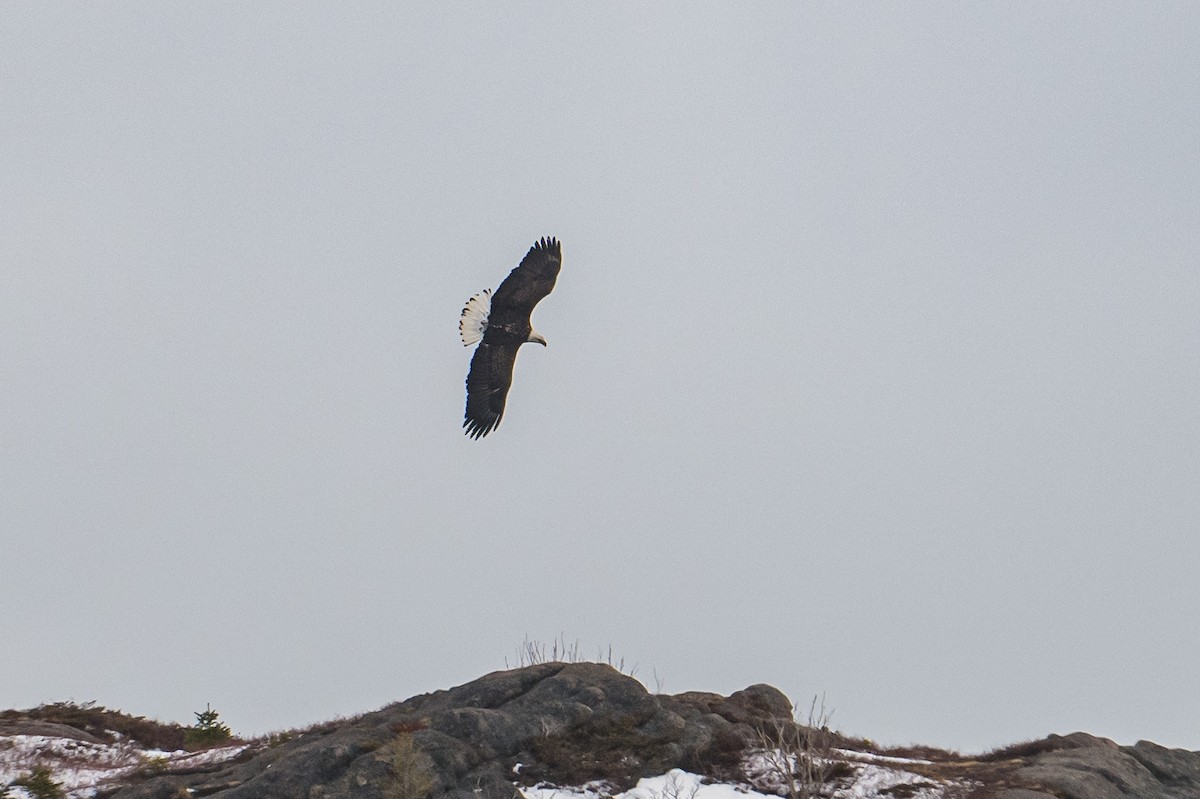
{"x": 474, "y": 319}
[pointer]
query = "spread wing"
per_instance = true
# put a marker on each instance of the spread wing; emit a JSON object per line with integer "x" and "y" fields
{"x": 532, "y": 280}
{"x": 487, "y": 386}
{"x": 507, "y": 328}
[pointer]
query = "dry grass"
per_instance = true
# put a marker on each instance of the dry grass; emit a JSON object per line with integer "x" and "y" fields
{"x": 110, "y": 726}
{"x": 533, "y": 652}
{"x": 797, "y": 756}
{"x": 1021, "y": 749}
{"x": 412, "y": 775}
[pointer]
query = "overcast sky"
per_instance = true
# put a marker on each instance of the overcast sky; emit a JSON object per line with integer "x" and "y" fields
{"x": 873, "y": 365}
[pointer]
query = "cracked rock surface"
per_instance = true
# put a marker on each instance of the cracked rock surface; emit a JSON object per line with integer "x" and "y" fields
{"x": 567, "y": 724}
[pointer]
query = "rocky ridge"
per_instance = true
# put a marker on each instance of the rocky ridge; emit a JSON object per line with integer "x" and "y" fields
{"x": 571, "y": 724}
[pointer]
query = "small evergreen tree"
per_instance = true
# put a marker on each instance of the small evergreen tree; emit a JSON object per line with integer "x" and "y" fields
{"x": 40, "y": 784}
{"x": 208, "y": 731}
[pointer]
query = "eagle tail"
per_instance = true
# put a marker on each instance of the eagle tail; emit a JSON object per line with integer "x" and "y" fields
{"x": 474, "y": 319}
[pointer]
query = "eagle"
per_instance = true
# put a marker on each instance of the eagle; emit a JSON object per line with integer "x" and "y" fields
{"x": 501, "y": 321}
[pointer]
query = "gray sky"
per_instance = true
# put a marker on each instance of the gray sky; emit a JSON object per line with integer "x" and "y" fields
{"x": 874, "y": 363}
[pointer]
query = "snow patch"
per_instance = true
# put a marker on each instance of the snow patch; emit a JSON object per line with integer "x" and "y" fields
{"x": 81, "y": 767}
{"x": 866, "y": 780}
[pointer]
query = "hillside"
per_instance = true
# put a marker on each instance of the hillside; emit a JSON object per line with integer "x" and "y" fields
{"x": 562, "y": 730}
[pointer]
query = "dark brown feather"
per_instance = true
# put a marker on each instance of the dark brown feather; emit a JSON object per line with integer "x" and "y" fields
{"x": 531, "y": 281}
{"x": 487, "y": 386}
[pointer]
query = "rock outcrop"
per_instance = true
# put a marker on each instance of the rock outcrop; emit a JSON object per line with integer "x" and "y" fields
{"x": 565, "y": 723}
{"x": 568, "y": 724}
{"x": 1082, "y": 766}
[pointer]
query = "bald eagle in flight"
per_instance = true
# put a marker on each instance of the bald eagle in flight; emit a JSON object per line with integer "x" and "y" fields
{"x": 501, "y": 320}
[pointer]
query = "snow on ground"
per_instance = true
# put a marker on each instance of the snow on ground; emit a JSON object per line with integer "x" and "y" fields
{"x": 675, "y": 784}
{"x": 865, "y": 781}
{"x": 853, "y": 775}
{"x": 81, "y": 767}
{"x": 871, "y": 757}
{"x": 872, "y": 782}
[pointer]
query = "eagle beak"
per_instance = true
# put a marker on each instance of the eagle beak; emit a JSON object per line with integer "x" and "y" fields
{"x": 535, "y": 336}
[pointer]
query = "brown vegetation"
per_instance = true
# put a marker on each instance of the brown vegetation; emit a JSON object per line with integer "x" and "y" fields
{"x": 104, "y": 724}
